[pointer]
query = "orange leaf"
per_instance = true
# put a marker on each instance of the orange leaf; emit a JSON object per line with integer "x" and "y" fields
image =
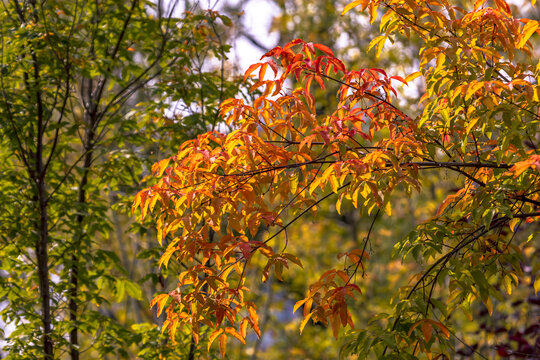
{"x": 335, "y": 322}
{"x": 243, "y": 327}
{"x": 250, "y": 70}
{"x": 213, "y": 337}
{"x": 255, "y": 320}
{"x": 160, "y": 300}
{"x": 343, "y": 276}
{"x": 319, "y": 81}
{"x": 427, "y": 330}
{"x": 504, "y": 7}
{"x": 233, "y": 332}
{"x": 449, "y": 199}
{"x": 418, "y": 323}
{"x": 223, "y": 345}
{"x": 160, "y": 166}
{"x": 360, "y": 253}
{"x": 478, "y": 4}
{"x": 262, "y": 71}
{"x": 343, "y": 314}
{"x": 294, "y": 259}
{"x": 441, "y": 327}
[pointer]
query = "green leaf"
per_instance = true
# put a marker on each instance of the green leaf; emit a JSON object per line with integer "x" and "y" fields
{"x": 133, "y": 290}
{"x": 120, "y": 288}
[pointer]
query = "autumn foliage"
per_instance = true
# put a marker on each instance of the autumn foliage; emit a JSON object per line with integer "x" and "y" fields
{"x": 224, "y": 197}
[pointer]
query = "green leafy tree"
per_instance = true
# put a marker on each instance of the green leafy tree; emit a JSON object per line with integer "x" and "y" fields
{"x": 91, "y": 93}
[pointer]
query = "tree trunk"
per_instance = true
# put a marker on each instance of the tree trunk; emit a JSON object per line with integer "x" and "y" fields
{"x": 43, "y": 268}
{"x": 43, "y": 238}
{"x": 75, "y": 257}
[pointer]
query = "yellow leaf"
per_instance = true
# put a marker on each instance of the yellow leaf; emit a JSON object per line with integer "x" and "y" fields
{"x": 473, "y": 87}
{"x": 536, "y": 94}
{"x": 355, "y": 197}
{"x": 164, "y": 260}
{"x": 304, "y": 322}
{"x": 388, "y": 209}
{"x": 298, "y": 304}
{"x": 507, "y": 282}
{"x": 314, "y": 185}
{"x": 385, "y": 19}
{"x": 440, "y": 61}
{"x": 338, "y": 203}
{"x": 379, "y": 43}
{"x": 472, "y": 123}
{"x": 153, "y": 202}
{"x": 513, "y": 223}
{"x": 412, "y": 76}
{"x": 537, "y": 284}
{"x": 334, "y": 183}
{"x": 294, "y": 184}
{"x": 530, "y": 27}
{"x": 373, "y": 13}
{"x": 354, "y": 4}
{"x": 489, "y": 305}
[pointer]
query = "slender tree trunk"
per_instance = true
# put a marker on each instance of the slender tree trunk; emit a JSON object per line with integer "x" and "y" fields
{"x": 43, "y": 266}
{"x": 43, "y": 239}
{"x": 73, "y": 307}
{"x": 75, "y": 257}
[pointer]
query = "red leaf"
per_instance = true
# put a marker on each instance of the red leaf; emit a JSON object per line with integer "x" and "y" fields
{"x": 324, "y": 49}
{"x": 245, "y": 248}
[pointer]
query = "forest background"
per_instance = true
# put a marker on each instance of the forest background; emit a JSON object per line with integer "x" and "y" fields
{"x": 94, "y": 93}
